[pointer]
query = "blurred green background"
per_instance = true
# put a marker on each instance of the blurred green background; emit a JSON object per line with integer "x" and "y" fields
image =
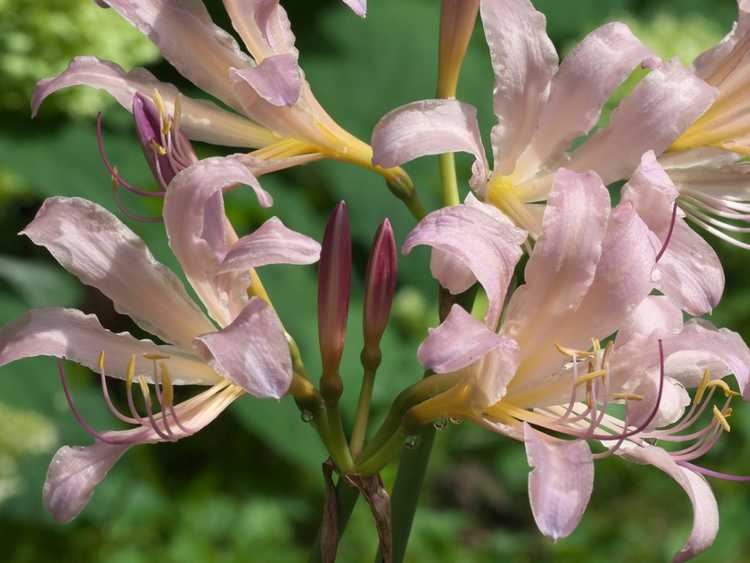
{"x": 248, "y": 488}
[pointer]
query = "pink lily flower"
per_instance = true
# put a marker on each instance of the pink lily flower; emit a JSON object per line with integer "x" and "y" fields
{"x": 272, "y": 106}
{"x": 240, "y": 347}
{"x": 707, "y": 162}
{"x": 543, "y": 367}
{"x": 542, "y": 108}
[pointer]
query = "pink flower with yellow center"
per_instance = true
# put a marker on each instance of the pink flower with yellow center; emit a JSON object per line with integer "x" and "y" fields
{"x": 584, "y": 333}
{"x": 237, "y": 346}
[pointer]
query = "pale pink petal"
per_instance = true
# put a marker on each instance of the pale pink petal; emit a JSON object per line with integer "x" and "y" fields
{"x": 698, "y": 347}
{"x": 429, "y": 127}
{"x": 673, "y": 401}
{"x": 484, "y": 240}
{"x": 200, "y": 120}
{"x": 252, "y": 352}
{"x": 524, "y": 61}
{"x": 709, "y": 171}
{"x": 660, "y": 108}
{"x": 705, "y": 509}
{"x": 263, "y": 26}
{"x": 200, "y": 235}
{"x": 272, "y": 243}
{"x": 359, "y": 7}
{"x": 689, "y": 271}
{"x": 277, "y": 79}
{"x": 73, "y": 474}
{"x": 72, "y": 335}
{"x": 459, "y": 341}
{"x": 623, "y": 275}
{"x": 563, "y": 263}
{"x": 450, "y": 271}
{"x": 655, "y": 314}
{"x": 92, "y": 244}
{"x": 260, "y": 166}
{"x": 719, "y": 61}
{"x": 587, "y": 78}
{"x": 202, "y": 52}
{"x": 489, "y": 377}
{"x": 560, "y": 482}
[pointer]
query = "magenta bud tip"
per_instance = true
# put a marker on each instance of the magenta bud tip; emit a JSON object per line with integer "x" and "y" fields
{"x": 380, "y": 285}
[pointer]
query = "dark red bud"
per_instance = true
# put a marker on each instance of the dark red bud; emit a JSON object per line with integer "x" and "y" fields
{"x": 334, "y": 283}
{"x": 380, "y": 286}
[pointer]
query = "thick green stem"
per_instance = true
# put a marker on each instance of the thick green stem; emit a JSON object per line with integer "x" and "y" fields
{"x": 406, "y": 491}
{"x": 448, "y": 176}
{"x": 346, "y": 500}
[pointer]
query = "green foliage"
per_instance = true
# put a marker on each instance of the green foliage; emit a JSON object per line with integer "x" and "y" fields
{"x": 248, "y": 488}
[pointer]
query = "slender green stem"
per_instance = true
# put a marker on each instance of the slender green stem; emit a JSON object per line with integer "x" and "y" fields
{"x": 338, "y": 446}
{"x": 359, "y": 430}
{"x": 408, "y": 194}
{"x": 448, "y": 175}
{"x": 346, "y": 500}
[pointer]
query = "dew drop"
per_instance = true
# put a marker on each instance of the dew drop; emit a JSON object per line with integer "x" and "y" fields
{"x": 454, "y": 420}
{"x": 306, "y": 416}
{"x": 440, "y": 424}
{"x": 411, "y": 442}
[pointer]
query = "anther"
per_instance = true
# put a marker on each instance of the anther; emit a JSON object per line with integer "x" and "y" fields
{"x": 721, "y": 418}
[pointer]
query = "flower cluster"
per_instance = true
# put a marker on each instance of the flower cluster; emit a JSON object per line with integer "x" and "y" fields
{"x": 599, "y": 347}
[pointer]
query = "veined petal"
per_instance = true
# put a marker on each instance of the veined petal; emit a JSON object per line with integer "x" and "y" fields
{"x": 710, "y": 171}
{"x": 524, "y": 60}
{"x": 200, "y": 120}
{"x": 655, "y": 314}
{"x": 660, "y": 108}
{"x": 562, "y": 266}
{"x": 479, "y": 236}
{"x": 459, "y": 341}
{"x": 252, "y": 352}
{"x": 172, "y": 26}
{"x": 75, "y": 472}
{"x": 200, "y": 234}
{"x": 263, "y": 26}
{"x": 673, "y": 400}
{"x": 95, "y": 246}
{"x": 560, "y": 482}
{"x": 586, "y": 80}
{"x": 278, "y": 79}
{"x": 716, "y": 63}
{"x": 429, "y": 127}
{"x": 359, "y": 7}
{"x": 689, "y": 271}
{"x": 272, "y": 243}
{"x": 451, "y": 272}
{"x": 705, "y": 509}
{"x": 73, "y": 335}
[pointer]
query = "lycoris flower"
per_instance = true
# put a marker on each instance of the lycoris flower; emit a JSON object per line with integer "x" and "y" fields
{"x": 542, "y": 109}
{"x": 247, "y": 353}
{"x": 707, "y": 162}
{"x": 551, "y": 365}
{"x": 274, "y": 108}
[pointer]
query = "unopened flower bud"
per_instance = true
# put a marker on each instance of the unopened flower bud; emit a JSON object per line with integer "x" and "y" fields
{"x": 166, "y": 148}
{"x": 457, "y": 19}
{"x": 334, "y": 282}
{"x": 380, "y": 286}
